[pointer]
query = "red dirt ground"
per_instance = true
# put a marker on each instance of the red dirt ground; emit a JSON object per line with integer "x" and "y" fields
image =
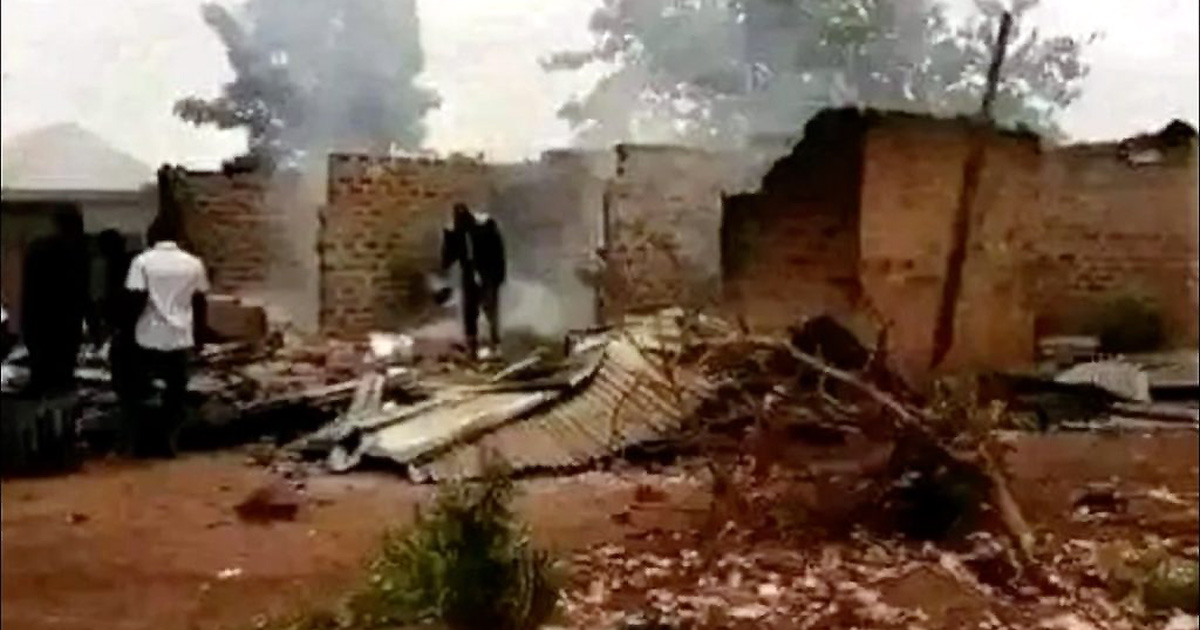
{"x": 140, "y": 546}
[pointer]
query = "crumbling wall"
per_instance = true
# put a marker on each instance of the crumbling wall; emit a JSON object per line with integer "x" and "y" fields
{"x": 663, "y": 215}
{"x": 230, "y": 227}
{"x": 257, "y": 234}
{"x": 1055, "y": 235}
{"x": 790, "y": 249}
{"x": 1110, "y": 229}
{"x": 381, "y": 235}
{"x": 913, "y": 171}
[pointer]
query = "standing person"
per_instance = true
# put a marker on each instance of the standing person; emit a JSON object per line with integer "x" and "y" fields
{"x": 114, "y": 303}
{"x": 473, "y": 241}
{"x": 116, "y": 308}
{"x": 56, "y": 302}
{"x": 167, "y": 287}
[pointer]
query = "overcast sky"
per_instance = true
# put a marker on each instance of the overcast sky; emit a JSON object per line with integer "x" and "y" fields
{"x": 116, "y": 66}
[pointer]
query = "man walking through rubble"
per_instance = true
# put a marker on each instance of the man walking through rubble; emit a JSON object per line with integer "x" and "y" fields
{"x": 473, "y": 241}
{"x": 167, "y": 286}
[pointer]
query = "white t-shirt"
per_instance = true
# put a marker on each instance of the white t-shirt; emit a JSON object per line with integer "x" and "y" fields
{"x": 170, "y": 277}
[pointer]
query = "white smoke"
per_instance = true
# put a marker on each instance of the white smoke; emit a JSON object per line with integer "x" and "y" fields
{"x": 526, "y": 307}
{"x": 313, "y": 77}
{"x": 530, "y": 307}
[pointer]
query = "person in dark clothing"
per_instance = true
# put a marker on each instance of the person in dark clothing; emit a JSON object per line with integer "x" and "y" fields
{"x": 56, "y": 302}
{"x": 7, "y": 338}
{"x": 117, "y": 309}
{"x": 474, "y": 243}
{"x": 114, "y": 303}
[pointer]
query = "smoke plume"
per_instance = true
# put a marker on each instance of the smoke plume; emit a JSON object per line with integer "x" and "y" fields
{"x": 314, "y": 77}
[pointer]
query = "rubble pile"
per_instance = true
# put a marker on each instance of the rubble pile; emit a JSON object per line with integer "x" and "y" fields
{"x": 240, "y": 391}
{"x": 862, "y": 582}
{"x": 923, "y": 490}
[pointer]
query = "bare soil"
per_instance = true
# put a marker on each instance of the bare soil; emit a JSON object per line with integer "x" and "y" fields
{"x": 157, "y": 545}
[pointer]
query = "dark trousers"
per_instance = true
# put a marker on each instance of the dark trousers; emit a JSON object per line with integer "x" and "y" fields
{"x": 123, "y": 362}
{"x": 7, "y": 341}
{"x": 146, "y": 432}
{"x": 52, "y": 364}
{"x": 485, "y": 297}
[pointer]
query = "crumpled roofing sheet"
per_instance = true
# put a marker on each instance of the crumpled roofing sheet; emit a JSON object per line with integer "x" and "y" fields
{"x": 624, "y": 403}
{"x": 459, "y": 415}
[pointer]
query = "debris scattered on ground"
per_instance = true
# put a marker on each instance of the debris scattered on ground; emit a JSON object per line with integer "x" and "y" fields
{"x": 863, "y": 582}
{"x": 1121, "y": 378}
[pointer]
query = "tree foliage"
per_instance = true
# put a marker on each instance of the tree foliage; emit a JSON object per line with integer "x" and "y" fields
{"x": 317, "y": 75}
{"x": 711, "y": 72}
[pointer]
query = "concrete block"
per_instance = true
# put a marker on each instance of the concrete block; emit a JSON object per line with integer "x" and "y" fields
{"x": 231, "y": 320}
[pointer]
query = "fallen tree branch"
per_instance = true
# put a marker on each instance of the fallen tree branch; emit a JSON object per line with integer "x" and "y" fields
{"x": 911, "y": 422}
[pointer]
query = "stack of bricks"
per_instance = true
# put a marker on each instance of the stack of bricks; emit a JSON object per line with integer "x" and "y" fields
{"x": 380, "y": 236}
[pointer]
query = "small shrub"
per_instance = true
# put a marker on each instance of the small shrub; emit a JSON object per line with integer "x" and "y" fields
{"x": 467, "y": 563}
{"x": 1163, "y": 581}
{"x": 1174, "y": 584}
{"x": 1129, "y": 325}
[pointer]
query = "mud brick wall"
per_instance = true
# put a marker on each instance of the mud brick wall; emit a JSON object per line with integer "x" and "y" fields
{"x": 790, "y": 250}
{"x": 664, "y": 222}
{"x": 229, "y": 225}
{"x": 913, "y": 173}
{"x": 381, "y": 233}
{"x": 1056, "y": 235}
{"x": 1110, "y": 229}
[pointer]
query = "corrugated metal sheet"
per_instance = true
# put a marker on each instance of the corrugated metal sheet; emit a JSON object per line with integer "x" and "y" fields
{"x": 624, "y": 403}
{"x": 458, "y": 415}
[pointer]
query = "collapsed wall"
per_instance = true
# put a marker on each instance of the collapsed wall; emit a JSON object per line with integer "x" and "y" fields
{"x": 860, "y": 216}
{"x": 381, "y": 233}
{"x": 855, "y": 220}
{"x": 791, "y": 249}
{"x": 1120, "y": 219}
{"x": 912, "y": 180}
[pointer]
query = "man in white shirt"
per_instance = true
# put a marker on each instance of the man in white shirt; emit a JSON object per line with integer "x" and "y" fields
{"x": 169, "y": 285}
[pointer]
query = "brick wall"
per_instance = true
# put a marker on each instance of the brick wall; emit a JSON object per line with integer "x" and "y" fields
{"x": 664, "y": 218}
{"x": 913, "y": 171}
{"x": 380, "y": 234}
{"x": 790, "y": 250}
{"x": 257, "y": 235}
{"x": 1056, "y": 234}
{"x": 231, "y": 228}
{"x": 858, "y": 216}
{"x": 1111, "y": 229}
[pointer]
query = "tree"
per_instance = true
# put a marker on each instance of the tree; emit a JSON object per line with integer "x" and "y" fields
{"x": 318, "y": 76}
{"x": 712, "y": 72}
